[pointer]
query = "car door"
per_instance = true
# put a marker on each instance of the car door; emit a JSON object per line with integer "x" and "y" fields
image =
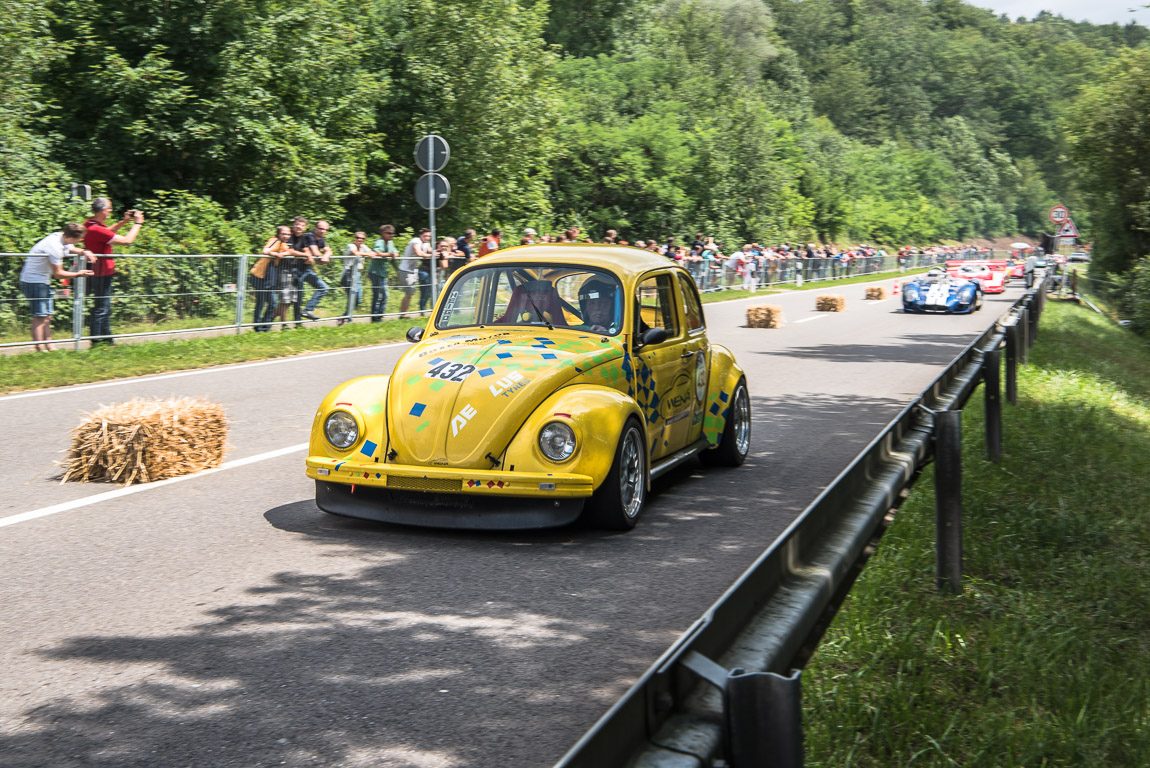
{"x": 663, "y": 388}
{"x": 696, "y": 354}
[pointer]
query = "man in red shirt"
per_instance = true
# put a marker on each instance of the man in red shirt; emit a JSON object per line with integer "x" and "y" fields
{"x": 99, "y": 239}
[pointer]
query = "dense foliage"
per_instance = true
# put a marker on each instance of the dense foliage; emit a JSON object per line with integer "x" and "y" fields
{"x": 887, "y": 121}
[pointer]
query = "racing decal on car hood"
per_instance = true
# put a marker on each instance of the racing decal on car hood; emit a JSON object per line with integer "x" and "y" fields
{"x": 462, "y": 397}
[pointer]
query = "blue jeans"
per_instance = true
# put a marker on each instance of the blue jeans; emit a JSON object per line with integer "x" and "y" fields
{"x": 100, "y": 320}
{"x": 424, "y": 290}
{"x": 266, "y": 299}
{"x": 39, "y": 297}
{"x": 315, "y": 281}
{"x": 378, "y": 296}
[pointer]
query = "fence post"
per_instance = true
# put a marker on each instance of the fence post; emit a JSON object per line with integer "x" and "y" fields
{"x": 764, "y": 719}
{"x": 241, "y": 291}
{"x": 78, "y": 286}
{"x": 992, "y": 392}
{"x": 948, "y": 500}
{"x": 352, "y": 277}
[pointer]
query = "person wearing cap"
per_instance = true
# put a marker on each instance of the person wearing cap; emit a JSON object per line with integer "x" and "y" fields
{"x": 529, "y": 236}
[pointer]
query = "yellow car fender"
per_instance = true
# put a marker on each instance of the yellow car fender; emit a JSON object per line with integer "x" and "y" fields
{"x": 595, "y": 413}
{"x": 364, "y": 398}
{"x": 724, "y": 377}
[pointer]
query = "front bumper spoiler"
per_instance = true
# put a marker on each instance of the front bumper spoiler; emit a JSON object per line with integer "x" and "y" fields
{"x": 445, "y": 497}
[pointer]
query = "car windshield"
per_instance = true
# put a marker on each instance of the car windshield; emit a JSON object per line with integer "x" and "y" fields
{"x": 567, "y": 296}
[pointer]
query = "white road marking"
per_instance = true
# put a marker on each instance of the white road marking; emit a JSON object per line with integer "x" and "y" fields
{"x": 197, "y": 371}
{"x": 129, "y": 490}
{"x": 808, "y": 319}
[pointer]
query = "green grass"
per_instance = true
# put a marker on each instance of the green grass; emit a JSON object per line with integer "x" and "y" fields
{"x": 62, "y": 367}
{"x": 1044, "y": 659}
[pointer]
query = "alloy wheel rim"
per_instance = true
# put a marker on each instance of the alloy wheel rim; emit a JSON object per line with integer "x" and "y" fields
{"x": 742, "y": 422}
{"x": 631, "y": 474}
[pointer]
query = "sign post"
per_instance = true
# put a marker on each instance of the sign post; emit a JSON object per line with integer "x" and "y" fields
{"x": 432, "y": 189}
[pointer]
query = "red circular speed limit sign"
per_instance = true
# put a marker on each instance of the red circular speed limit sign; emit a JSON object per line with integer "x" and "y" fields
{"x": 1059, "y": 214}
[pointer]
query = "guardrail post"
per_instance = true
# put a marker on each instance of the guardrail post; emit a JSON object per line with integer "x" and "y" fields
{"x": 241, "y": 291}
{"x": 1012, "y": 362}
{"x": 992, "y": 393}
{"x": 1023, "y": 334}
{"x": 948, "y": 500}
{"x": 764, "y": 720}
{"x": 1032, "y": 314}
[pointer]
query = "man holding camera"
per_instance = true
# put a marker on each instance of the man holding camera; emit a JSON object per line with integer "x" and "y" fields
{"x": 99, "y": 239}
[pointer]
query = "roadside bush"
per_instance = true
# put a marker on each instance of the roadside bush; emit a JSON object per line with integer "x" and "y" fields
{"x": 1136, "y": 301}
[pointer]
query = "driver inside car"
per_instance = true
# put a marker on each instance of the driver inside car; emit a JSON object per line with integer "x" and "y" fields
{"x": 597, "y": 306}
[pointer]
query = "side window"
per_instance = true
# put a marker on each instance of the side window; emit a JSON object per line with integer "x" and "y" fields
{"x": 691, "y": 307}
{"x": 656, "y": 297}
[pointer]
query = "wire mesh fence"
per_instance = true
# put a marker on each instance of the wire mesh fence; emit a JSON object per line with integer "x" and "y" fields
{"x": 162, "y": 294}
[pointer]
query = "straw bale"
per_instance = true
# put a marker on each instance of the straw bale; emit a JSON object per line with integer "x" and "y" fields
{"x": 876, "y": 293}
{"x": 765, "y": 316}
{"x": 831, "y": 302}
{"x": 144, "y": 440}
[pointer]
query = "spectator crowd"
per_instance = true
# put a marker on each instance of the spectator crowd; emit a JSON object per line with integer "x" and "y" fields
{"x": 285, "y": 277}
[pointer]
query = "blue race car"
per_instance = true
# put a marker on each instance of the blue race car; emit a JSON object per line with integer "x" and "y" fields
{"x": 935, "y": 292}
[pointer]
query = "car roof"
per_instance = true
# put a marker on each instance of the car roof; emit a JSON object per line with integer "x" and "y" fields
{"x": 620, "y": 259}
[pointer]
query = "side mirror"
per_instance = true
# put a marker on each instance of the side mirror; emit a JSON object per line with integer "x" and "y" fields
{"x": 414, "y": 334}
{"x": 653, "y": 336}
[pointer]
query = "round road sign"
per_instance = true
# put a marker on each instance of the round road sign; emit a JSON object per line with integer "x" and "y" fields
{"x": 1059, "y": 214}
{"x": 432, "y": 191}
{"x": 432, "y": 153}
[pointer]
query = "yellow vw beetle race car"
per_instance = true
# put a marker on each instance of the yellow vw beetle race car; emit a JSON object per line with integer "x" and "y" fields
{"x": 551, "y": 382}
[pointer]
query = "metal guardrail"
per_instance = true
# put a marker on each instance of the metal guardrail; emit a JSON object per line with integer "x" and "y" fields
{"x": 698, "y": 705}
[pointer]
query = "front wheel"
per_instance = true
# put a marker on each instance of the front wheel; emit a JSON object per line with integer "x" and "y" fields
{"x": 619, "y": 501}
{"x": 735, "y": 442}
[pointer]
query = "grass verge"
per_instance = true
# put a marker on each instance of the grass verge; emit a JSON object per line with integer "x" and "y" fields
{"x": 63, "y": 367}
{"x": 1044, "y": 659}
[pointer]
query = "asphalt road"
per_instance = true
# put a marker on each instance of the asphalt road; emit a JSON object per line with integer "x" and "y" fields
{"x": 223, "y": 620}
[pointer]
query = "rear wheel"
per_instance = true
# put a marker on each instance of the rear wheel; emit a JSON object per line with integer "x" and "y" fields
{"x": 736, "y": 440}
{"x": 620, "y": 499}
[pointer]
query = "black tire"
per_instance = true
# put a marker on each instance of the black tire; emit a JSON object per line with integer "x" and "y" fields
{"x": 621, "y": 498}
{"x": 736, "y": 440}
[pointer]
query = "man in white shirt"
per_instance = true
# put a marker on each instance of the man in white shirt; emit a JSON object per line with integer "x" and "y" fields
{"x": 45, "y": 261}
{"x": 415, "y": 256}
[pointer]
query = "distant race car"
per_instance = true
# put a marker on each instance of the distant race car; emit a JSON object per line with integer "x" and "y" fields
{"x": 993, "y": 274}
{"x": 937, "y": 292}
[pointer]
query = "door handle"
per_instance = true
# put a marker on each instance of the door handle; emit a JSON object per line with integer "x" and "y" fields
{"x": 688, "y": 353}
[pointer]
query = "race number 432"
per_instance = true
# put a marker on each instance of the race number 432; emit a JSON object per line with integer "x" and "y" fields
{"x": 450, "y": 371}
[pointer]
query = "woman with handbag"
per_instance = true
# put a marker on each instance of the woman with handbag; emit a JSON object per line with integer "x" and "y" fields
{"x": 350, "y": 280}
{"x": 265, "y": 279}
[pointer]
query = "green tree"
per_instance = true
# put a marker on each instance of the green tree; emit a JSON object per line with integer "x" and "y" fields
{"x": 1109, "y": 135}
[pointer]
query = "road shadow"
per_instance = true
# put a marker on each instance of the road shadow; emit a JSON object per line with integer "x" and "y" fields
{"x": 436, "y": 648}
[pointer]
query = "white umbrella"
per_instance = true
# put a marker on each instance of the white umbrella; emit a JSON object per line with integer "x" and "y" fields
{"x": 1021, "y": 246}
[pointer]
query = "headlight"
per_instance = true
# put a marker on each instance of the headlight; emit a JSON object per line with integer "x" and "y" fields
{"x": 341, "y": 429}
{"x": 910, "y": 291}
{"x": 967, "y": 293}
{"x": 557, "y": 441}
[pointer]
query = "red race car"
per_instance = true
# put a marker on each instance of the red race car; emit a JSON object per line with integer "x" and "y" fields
{"x": 992, "y": 274}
